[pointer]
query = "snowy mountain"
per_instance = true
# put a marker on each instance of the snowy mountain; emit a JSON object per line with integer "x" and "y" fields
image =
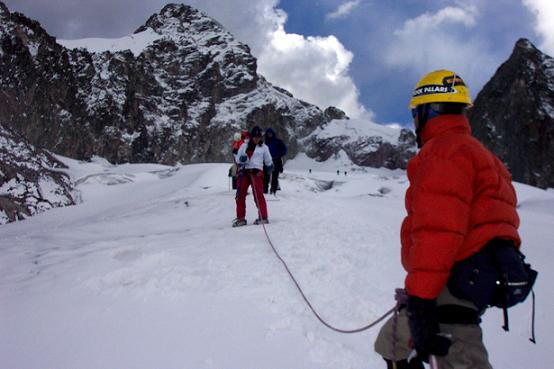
{"x": 147, "y": 273}
{"x": 513, "y": 115}
{"x": 31, "y": 180}
{"x": 174, "y": 91}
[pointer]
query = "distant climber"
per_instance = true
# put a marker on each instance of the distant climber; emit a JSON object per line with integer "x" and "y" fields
{"x": 238, "y": 140}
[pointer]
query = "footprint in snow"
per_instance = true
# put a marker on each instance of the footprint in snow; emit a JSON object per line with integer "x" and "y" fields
{"x": 127, "y": 255}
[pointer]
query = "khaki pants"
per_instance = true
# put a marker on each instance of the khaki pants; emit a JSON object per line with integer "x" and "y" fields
{"x": 467, "y": 350}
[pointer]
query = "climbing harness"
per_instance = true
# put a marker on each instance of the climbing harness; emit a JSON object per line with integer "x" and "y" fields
{"x": 357, "y": 330}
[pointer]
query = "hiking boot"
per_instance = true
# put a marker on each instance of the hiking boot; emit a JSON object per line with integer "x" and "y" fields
{"x": 239, "y": 222}
{"x": 261, "y": 221}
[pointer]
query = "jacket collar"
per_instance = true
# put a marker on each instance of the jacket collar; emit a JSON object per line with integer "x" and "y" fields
{"x": 455, "y": 123}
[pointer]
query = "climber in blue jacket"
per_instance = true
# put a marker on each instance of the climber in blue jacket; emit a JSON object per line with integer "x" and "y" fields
{"x": 278, "y": 149}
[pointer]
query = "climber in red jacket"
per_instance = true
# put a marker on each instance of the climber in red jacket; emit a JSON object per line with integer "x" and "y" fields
{"x": 460, "y": 199}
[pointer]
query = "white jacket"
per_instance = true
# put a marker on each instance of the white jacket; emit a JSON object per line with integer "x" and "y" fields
{"x": 260, "y": 157}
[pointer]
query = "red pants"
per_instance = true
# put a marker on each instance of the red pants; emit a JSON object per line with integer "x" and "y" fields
{"x": 244, "y": 181}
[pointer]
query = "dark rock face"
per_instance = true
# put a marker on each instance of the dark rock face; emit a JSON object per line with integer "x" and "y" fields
{"x": 514, "y": 115}
{"x": 179, "y": 97}
{"x": 179, "y": 100}
{"x": 334, "y": 113}
{"x": 30, "y": 181}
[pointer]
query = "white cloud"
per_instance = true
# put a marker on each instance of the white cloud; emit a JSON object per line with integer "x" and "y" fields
{"x": 344, "y": 9}
{"x": 314, "y": 69}
{"x": 442, "y": 40}
{"x": 451, "y": 14}
{"x": 544, "y": 11}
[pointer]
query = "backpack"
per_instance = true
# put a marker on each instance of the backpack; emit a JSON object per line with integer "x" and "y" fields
{"x": 497, "y": 276}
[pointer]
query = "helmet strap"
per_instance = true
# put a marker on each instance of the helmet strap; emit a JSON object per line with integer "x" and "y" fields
{"x": 425, "y": 112}
{"x": 422, "y": 118}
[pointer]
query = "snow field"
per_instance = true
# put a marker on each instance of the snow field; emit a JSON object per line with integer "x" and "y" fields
{"x": 147, "y": 273}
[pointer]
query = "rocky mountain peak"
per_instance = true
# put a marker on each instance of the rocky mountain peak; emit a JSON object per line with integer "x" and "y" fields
{"x": 184, "y": 23}
{"x": 185, "y": 16}
{"x": 528, "y": 55}
{"x": 524, "y": 44}
{"x": 186, "y": 28}
{"x": 513, "y": 115}
{"x": 22, "y": 30}
{"x": 175, "y": 91}
{"x": 184, "y": 12}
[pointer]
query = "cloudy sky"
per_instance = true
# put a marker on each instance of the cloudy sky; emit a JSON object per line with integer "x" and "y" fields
{"x": 363, "y": 56}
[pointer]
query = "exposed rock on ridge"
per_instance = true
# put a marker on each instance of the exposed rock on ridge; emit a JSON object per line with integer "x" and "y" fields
{"x": 30, "y": 180}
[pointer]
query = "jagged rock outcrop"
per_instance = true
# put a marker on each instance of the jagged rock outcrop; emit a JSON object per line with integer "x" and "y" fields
{"x": 174, "y": 91}
{"x": 334, "y": 113}
{"x": 30, "y": 179}
{"x": 513, "y": 115}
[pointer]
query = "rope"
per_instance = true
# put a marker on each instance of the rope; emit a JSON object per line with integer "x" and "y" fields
{"x": 357, "y": 330}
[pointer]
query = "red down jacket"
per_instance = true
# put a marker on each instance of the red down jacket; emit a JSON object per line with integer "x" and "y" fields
{"x": 460, "y": 197}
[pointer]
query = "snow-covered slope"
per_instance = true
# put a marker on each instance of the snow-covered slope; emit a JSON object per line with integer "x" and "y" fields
{"x": 136, "y": 43}
{"x": 147, "y": 273}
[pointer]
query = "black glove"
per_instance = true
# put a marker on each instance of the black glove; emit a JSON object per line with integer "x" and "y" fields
{"x": 424, "y": 327}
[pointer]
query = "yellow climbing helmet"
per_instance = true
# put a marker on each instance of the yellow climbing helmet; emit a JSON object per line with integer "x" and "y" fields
{"x": 440, "y": 86}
